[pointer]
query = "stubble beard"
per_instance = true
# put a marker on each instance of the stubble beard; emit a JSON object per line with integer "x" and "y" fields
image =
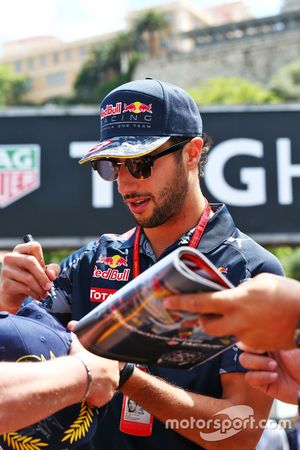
{"x": 169, "y": 201}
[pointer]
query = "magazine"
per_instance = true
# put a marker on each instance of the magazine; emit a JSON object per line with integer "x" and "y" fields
{"x": 133, "y": 324}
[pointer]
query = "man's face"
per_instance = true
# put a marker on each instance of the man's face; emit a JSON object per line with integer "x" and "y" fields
{"x": 155, "y": 200}
{"x": 131, "y": 405}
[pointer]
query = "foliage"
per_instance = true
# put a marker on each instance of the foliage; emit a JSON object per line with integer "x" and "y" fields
{"x": 290, "y": 260}
{"x": 231, "y": 91}
{"x": 291, "y": 264}
{"x": 147, "y": 28}
{"x": 104, "y": 70}
{"x": 56, "y": 256}
{"x": 12, "y": 86}
{"x": 112, "y": 63}
{"x": 150, "y": 21}
{"x": 286, "y": 82}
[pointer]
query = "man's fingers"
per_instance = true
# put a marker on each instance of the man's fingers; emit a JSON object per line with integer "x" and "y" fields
{"x": 33, "y": 271}
{"x": 257, "y": 362}
{"x": 52, "y": 271}
{"x": 32, "y": 248}
{"x": 20, "y": 291}
{"x": 261, "y": 380}
{"x": 248, "y": 349}
{"x": 215, "y": 325}
{"x": 71, "y": 325}
{"x": 204, "y": 303}
{"x": 17, "y": 280}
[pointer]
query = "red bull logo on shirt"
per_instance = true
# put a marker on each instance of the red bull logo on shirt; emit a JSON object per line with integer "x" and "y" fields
{"x": 111, "y": 274}
{"x": 113, "y": 261}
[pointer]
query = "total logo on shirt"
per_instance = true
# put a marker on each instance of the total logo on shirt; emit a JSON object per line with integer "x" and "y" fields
{"x": 99, "y": 295}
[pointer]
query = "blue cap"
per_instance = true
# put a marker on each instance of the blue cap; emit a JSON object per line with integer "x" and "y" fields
{"x": 140, "y": 116}
{"x": 33, "y": 334}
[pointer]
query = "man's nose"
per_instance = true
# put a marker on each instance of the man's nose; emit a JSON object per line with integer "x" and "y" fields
{"x": 126, "y": 182}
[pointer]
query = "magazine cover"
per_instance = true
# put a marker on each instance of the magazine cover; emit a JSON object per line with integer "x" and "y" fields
{"x": 133, "y": 324}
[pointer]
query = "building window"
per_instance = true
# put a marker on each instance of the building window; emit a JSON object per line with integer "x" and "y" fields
{"x": 68, "y": 54}
{"x": 30, "y": 63}
{"x": 56, "y": 79}
{"x": 83, "y": 52}
{"x": 29, "y": 84}
{"x": 43, "y": 60}
{"x": 56, "y": 57}
{"x": 18, "y": 66}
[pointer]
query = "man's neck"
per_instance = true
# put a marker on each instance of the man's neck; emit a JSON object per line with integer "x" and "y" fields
{"x": 164, "y": 235}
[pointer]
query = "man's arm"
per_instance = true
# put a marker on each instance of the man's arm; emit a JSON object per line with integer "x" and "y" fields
{"x": 30, "y": 392}
{"x": 262, "y": 312}
{"x": 166, "y": 401}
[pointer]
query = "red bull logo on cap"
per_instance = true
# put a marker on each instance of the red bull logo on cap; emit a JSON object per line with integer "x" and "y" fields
{"x": 113, "y": 261}
{"x": 111, "y": 110}
{"x": 137, "y": 108}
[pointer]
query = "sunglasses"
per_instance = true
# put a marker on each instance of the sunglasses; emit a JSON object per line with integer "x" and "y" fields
{"x": 139, "y": 168}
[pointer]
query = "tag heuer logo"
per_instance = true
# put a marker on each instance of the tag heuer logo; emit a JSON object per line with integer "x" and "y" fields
{"x": 19, "y": 171}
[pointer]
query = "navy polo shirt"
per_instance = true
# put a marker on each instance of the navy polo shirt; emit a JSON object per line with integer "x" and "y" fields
{"x": 102, "y": 267}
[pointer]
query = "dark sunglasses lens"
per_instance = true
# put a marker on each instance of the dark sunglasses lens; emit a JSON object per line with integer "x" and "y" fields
{"x": 139, "y": 168}
{"x": 108, "y": 170}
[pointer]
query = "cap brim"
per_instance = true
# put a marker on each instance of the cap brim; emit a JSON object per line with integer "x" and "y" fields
{"x": 125, "y": 147}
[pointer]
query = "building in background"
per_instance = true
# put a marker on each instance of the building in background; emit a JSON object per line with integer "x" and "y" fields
{"x": 228, "y": 13}
{"x": 290, "y": 5}
{"x": 52, "y": 65}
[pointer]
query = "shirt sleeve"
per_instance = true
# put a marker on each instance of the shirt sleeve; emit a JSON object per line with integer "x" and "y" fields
{"x": 230, "y": 361}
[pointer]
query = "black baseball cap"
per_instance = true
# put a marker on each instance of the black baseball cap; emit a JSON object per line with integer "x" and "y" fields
{"x": 33, "y": 334}
{"x": 138, "y": 117}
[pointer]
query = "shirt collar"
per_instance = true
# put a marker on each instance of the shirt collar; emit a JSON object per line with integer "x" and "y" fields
{"x": 219, "y": 228}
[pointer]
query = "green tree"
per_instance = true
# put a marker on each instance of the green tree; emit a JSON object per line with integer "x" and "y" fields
{"x": 291, "y": 263}
{"x": 112, "y": 62}
{"x": 231, "y": 91}
{"x": 148, "y": 28}
{"x": 12, "y": 86}
{"x": 289, "y": 258}
{"x": 286, "y": 82}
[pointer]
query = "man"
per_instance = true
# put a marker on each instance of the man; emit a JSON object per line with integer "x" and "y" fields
{"x": 152, "y": 144}
{"x": 30, "y": 392}
{"x": 263, "y": 313}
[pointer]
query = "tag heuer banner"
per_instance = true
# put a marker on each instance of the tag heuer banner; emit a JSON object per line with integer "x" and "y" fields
{"x": 19, "y": 172}
{"x": 253, "y": 167}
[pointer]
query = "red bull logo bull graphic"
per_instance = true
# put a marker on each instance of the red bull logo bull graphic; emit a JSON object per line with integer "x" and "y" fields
{"x": 99, "y": 295}
{"x": 137, "y": 108}
{"x": 113, "y": 261}
{"x": 222, "y": 269}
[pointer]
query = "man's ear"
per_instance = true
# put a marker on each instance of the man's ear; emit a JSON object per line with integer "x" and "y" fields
{"x": 193, "y": 152}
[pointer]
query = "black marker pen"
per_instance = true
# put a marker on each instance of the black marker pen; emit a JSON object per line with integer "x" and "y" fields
{"x": 29, "y": 238}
